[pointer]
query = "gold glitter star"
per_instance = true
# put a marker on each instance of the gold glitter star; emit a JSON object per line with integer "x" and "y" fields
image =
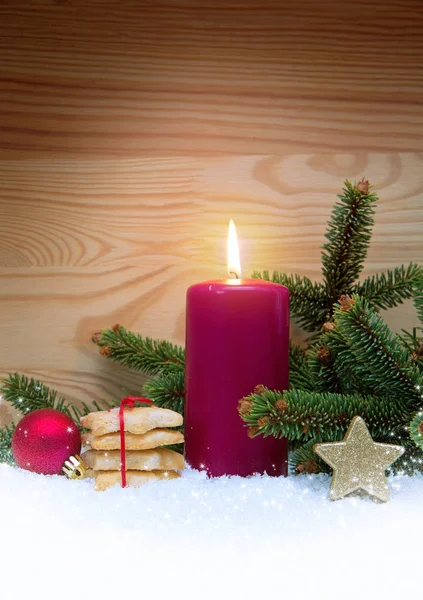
{"x": 358, "y": 462}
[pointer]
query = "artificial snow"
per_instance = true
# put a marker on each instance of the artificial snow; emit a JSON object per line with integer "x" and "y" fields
{"x": 200, "y": 538}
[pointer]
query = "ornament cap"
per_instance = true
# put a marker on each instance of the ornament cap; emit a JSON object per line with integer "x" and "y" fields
{"x": 74, "y": 467}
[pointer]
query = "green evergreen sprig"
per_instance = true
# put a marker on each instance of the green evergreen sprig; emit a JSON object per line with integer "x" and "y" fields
{"x": 138, "y": 353}
{"x": 301, "y": 416}
{"x": 349, "y": 232}
{"x": 416, "y": 429}
{"x": 299, "y": 372}
{"x": 167, "y": 391}
{"x": 6, "y": 433}
{"x": 386, "y": 290}
{"x": 418, "y": 296}
{"x": 28, "y": 394}
{"x": 374, "y": 355}
{"x": 323, "y": 375}
{"x": 308, "y": 301}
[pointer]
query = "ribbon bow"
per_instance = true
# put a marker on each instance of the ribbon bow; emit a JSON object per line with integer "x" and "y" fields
{"x": 129, "y": 401}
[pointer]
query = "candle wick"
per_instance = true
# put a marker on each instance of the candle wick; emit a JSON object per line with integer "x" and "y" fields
{"x": 234, "y": 274}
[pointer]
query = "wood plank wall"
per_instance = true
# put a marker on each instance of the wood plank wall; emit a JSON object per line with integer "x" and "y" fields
{"x": 132, "y": 131}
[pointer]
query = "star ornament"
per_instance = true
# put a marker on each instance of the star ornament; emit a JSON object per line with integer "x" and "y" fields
{"x": 359, "y": 463}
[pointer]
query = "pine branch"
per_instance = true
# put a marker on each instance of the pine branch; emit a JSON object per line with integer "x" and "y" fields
{"x": 416, "y": 429}
{"x": 410, "y": 463}
{"x": 418, "y": 297}
{"x": 27, "y": 394}
{"x": 386, "y": 290}
{"x": 140, "y": 354}
{"x": 167, "y": 391}
{"x": 6, "y": 434}
{"x": 299, "y": 373}
{"x": 324, "y": 376}
{"x": 308, "y": 304}
{"x": 304, "y": 416}
{"x": 339, "y": 374}
{"x": 349, "y": 233}
{"x": 305, "y": 460}
{"x": 414, "y": 344}
{"x": 376, "y": 356}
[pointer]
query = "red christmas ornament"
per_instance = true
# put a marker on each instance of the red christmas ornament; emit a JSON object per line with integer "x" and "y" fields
{"x": 43, "y": 440}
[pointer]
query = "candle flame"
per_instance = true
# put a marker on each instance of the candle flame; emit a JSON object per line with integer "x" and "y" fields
{"x": 234, "y": 265}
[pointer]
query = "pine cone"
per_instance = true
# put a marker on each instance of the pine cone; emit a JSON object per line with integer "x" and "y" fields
{"x": 281, "y": 405}
{"x": 244, "y": 406}
{"x": 105, "y": 351}
{"x": 252, "y": 431}
{"x": 262, "y": 421}
{"x": 363, "y": 187}
{"x": 346, "y": 302}
{"x": 329, "y": 326}
{"x": 96, "y": 337}
{"x": 308, "y": 466}
{"x": 323, "y": 354}
{"x": 420, "y": 428}
{"x": 259, "y": 389}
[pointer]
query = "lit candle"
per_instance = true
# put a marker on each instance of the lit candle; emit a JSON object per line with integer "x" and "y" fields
{"x": 237, "y": 333}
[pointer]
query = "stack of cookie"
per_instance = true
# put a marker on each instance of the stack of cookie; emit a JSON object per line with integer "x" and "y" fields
{"x": 146, "y": 431}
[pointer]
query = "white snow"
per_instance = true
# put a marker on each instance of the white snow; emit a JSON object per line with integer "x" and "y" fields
{"x": 199, "y": 538}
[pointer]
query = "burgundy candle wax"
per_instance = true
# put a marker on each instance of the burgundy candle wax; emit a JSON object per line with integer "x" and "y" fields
{"x": 237, "y": 333}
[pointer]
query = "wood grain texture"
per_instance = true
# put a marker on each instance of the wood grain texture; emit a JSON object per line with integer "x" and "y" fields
{"x": 131, "y": 78}
{"x": 131, "y": 132}
{"x": 99, "y": 213}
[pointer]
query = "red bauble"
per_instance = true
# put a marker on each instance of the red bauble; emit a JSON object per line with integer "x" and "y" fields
{"x": 43, "y": 440}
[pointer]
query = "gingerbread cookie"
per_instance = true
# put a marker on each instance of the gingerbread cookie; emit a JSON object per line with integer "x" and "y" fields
{"x": 106, "y": 479}
{"x": 137, "y": 420}
{"x": 160, "y": 459}
{"x": 150, "y": 439}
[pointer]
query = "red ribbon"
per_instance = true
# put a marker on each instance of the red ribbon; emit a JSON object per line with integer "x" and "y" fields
{"x": 130, "y": 402}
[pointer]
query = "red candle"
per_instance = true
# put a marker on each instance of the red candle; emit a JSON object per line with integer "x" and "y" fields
{"x": 237, "y": 334}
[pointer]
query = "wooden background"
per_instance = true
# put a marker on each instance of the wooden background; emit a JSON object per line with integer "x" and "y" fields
{"x": 132, "y": 131}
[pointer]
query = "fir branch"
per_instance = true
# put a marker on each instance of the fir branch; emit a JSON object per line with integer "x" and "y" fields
{"x": 340, "y": 375}
{"x": 138, "y": 353}
{"x": 409, "y": 463}
{"x": 386, "y": 290}
{"x": 324, "y": 377}
{"x": 416, "y": 429}
{"x": 349, "y": 233}
{"x": 418, "y": 297}
{"x": 414, "y": 344}
{"x": 305, "y": 460}
{"x": 308, "y": 304}
{"x": 376, "y": 356}
{"x": 167, "y": 391}
{"x": 299, "y": 373}
{"x": 28, "y": 394}
{"x": 303, "y": 416}
{"x": 6, "y": 434}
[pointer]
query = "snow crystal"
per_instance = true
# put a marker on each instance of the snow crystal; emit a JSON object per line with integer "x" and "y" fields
{"x": 200, "y": 538}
